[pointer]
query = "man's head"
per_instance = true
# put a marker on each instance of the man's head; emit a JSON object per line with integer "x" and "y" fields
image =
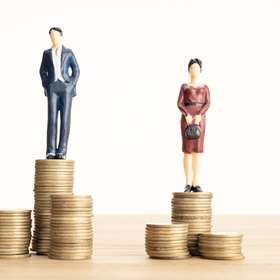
{"x": 56, "y": 35}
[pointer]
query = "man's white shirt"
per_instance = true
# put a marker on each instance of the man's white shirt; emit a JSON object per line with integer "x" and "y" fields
{"x": 56, "y": 56}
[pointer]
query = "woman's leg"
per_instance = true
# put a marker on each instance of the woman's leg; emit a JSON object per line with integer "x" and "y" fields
{"x": 196, "y": 168}
{"x": 188, "y": 167}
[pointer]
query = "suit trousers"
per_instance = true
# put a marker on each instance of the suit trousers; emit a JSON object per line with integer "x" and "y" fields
{"x": 59, "y": 100}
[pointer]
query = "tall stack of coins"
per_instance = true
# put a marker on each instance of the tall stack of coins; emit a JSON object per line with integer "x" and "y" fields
{"x": 15, "y": 233}
{"x": 71, "y": 227}
{"x": 51, "y": 177}
{"x": 194, "y": 209}
{"x": 167, "y": 241}
{"x": 221, "y": 246}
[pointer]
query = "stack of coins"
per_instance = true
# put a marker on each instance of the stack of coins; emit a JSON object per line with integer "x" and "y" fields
{"x": 51, "y": 177}
{"x": 15, "y": 233}
{"x": 195, "y": 210}
{"x": 221, "y": 246}
{"x": 167, "y": 241}
{"x": 71, "y": 227}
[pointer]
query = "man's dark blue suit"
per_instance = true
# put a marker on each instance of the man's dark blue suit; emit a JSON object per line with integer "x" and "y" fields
{"x": 59, "y": 95}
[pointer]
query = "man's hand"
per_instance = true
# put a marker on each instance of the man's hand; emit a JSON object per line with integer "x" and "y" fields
{"x": 197, "y": 119}
{"x": 189, "y": 119}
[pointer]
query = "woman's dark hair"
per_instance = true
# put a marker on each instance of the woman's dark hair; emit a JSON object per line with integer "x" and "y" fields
{"x": 193, "y": 61}
{"x": 56, "y": 29}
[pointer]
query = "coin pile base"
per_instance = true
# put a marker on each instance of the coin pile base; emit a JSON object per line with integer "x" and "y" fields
{"x": 195, "y": 209}
{"x": 167, "y": 241}
{"x": 51, "y": 177}
{"x": 71, "y": 227}
{"x": 15, "y": 233}
{"x": 221, "y": 246}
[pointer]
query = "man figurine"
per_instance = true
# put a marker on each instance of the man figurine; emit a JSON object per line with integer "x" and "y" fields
{"x": 59, "y": 87}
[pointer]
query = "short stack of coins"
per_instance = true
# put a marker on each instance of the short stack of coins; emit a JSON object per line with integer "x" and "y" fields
{"x": 167, "y": 241}
{"x": 194, "y": 209}
{"x": 71, "y": 227}
{"x": 51, "y": 177}
{"x": 15, "y": 233}
{"x": 220, "y": 245}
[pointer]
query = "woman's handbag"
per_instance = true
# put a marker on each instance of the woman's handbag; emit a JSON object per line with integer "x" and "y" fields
{"x": 193, "y": 131}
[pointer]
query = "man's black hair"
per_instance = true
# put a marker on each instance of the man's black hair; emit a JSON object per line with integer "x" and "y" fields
{"x": 56, "y": 29}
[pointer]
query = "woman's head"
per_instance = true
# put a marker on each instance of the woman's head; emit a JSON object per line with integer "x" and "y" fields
{"x": 195, "y": 67}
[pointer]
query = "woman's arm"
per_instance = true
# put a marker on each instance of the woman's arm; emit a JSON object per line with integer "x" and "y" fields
{"x": 180, "y": 102}
{"x": 206, "y": 105}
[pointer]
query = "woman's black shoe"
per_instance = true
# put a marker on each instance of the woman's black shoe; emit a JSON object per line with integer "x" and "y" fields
{"x": 196, "y": 189}
{"x": 188, "y": 188}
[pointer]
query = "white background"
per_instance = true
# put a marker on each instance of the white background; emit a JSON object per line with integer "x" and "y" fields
{"x": 125, "y": 133}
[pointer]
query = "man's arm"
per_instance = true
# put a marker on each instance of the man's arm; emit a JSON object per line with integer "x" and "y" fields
{"x": 75, "y": 69}
{"x": 44, "y": 71}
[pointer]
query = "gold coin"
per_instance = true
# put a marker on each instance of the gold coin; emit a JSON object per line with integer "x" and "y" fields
{"x": 166, "y": 244}
{"x": 70, "y": 253}
{"x": 55, "y": 257}
{"x": 192, "y": 194}
{"x": 67, "y": 203}
{"x": 192, "y": 199}
{"x": 22, "y": 227}
{"x": 166, "y": 233}
{"x": 166, "y": 239}
{"x": 219, "y": 243}
{"x": 167, "y": 230}
{"x": 14, "y": 243}
{"x": 71, "y": 219}
{"x": 167, "y": 248}
{"x": 220, "y": 255}
{"x": 61, "y": 232}
{"x": 171, "y": 258}
{"x": 187, "y": 216}
{"x": 41, "y": 180}
{"x": 72, "y": 211}
{"x": 170, "y": 236}
{"x": 88, "y": 244}
{"x": 54, "y": 161}
{"x": 14, "y": 256}
{"x": 167, "y": 225}
{"x": 52, "y": 182}
{"x": 70, "y": 224}
{"x": 220, "y": 250}
{"x": 192, "y": 212}
{"x": 185, "y": 203}
{"x": 23, "y": 212}
{"x": 54, "y": 171}
{"x": 68, "y": 239}
{"x": 167, "y": 255}
{"x": 222, "y": 235}
{"x": 14, "y": 251}
{"x": 73, "y": 197}
{"x": 232, "y": 258}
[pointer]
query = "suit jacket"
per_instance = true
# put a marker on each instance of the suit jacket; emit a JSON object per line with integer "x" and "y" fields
{"x": 68, "y": 60}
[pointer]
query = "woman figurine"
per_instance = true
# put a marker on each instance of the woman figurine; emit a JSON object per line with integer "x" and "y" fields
{"x": 193, "y": 102}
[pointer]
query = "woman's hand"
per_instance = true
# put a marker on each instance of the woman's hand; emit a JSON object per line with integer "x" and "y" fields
{"x": 197, "y": 119}
{"x": 189, "y": 119}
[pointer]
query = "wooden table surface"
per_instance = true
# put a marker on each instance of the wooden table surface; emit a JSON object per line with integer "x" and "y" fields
{"x": 119, "y": 253}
